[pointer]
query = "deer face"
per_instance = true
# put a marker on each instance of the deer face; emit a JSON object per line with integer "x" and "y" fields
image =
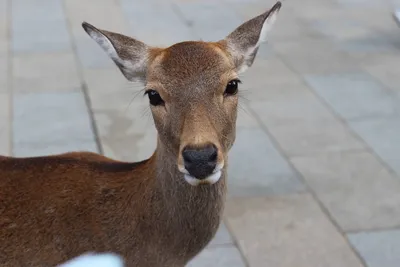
{"x": 192, "y": 90}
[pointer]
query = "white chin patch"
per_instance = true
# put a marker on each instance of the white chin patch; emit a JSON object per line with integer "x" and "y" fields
{"x": 212, "y": 179}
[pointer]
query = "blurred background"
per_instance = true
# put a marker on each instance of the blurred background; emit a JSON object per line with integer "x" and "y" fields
{"x": 314, "y": 176}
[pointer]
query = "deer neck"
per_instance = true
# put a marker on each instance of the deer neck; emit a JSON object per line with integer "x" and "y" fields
{"x": 193, "y": 211}
{"x": 176, "y": 191}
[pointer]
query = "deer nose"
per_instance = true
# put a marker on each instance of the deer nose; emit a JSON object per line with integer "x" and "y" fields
{"x": 200, "y": 162}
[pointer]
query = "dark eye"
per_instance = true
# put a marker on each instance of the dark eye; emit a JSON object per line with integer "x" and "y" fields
{"x": 154, "y": 97}
{"x": 232, "y": 87}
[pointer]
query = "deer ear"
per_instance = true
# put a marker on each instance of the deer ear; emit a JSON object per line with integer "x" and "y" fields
{"x": 128, "y": 54}
{"x": 244, "y": 41}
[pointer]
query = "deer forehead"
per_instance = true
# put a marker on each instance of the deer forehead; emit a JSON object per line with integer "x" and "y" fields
{"x": 190, "y": 65}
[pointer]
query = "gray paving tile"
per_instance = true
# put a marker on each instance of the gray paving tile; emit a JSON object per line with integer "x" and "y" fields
{"x": 288, "y": 27}
{"x": 4, "y": 42}
{"x": 364, "y": 3}
{"x": 89, "y": 52}
{"x": 39, "y": 41}
{"x": 4, "y": 4}
{"x": 314, "y": 56}
{"x": 239, "y": 1}
{"x": 119, "y": 113}
{"x": 370, "y": 45}
{"x": 222, "y": 237}
{"x": 300, "y": 123}
{"x": 36, "y": 10}
{"x": 385, "y": 70}
{"x": 130, "y": 147}
{"x": 378, "y": 249}
{"x": 116, "y": 124}
{"x": 245, "y": 119}
{"x": 381, "y": 22}
{"x": 382, "y": 135}
{"x": 306, "y": 137}
{"x": 167, "y": 30}
{"x": 45, "y": 72}
{"x": 283, "y": 104}
{"x": 395, "y": 2}
{"x": 39, "y": 26}
{"x": 120, "y": 99}
{"x": 218, "y": 257}
{"x": 211, "y": 20}
{"x": 292, "y": 30}
{"x": 91, "y": 55}
{"x": 386, "y": 60}
{"x": 44, "y": 149}
{"x": 257, "y": 168}
{"x": 108, "y": 80}
{"x": 354, "y": 95}
{"x": 356, "y": 189}
{"x": 268, "y": 73}
{"x": 78, "y": 11}
{"x": 122, "y": 116}
{"x": 265, "y": 51}
{"x": 50, "y": 118}
{"x": 321, "y": 11}
{"x": 341, "y": 30}
{"x": 287, "y": 231}
{"x": 5, "y": 124}
{"x": 4, "y": 74}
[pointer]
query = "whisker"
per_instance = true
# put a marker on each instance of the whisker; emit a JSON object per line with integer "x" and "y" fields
{"x": 130, "y": 86}
{"x": 244, "y": 98}
{"x": 133, "y": 98}
{"x": 145, "y": 112}
{"x": 244, "y": 110}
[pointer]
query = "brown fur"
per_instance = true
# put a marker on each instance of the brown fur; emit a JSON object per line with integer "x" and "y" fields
{"x": 58, "y": 207}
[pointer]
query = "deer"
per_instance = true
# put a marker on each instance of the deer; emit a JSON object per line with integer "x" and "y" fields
{"x": 161, "y": 211}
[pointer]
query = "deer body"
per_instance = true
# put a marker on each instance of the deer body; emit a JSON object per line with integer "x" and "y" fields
{"x": 158, "y": 212}
{"x": 102, "y": 205}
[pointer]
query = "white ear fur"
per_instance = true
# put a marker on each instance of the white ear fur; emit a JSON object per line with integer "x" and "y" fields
{"x": 102, "y": 40}
{"x": 243, "y": 43}
{"x": 128, "y": 54}
{"x": 267, "y": 26}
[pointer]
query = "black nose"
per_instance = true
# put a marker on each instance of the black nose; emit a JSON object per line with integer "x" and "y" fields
{"x": 200, "y": 162}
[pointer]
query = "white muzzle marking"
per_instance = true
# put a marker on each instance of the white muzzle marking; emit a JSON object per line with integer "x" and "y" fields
{"x": 211, "y": 179}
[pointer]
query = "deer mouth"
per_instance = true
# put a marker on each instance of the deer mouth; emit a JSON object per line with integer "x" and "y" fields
{"x": 210, "y": 180}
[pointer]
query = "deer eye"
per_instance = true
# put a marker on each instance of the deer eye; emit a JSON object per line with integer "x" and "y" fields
{"x": 154, "y": 97}
{"x": 232, "y": 87}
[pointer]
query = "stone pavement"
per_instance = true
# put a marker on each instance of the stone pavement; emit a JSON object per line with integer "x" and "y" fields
{"x": 315, "y": 172}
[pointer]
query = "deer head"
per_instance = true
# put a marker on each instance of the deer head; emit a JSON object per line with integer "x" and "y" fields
{"x": 192, "y": 89}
